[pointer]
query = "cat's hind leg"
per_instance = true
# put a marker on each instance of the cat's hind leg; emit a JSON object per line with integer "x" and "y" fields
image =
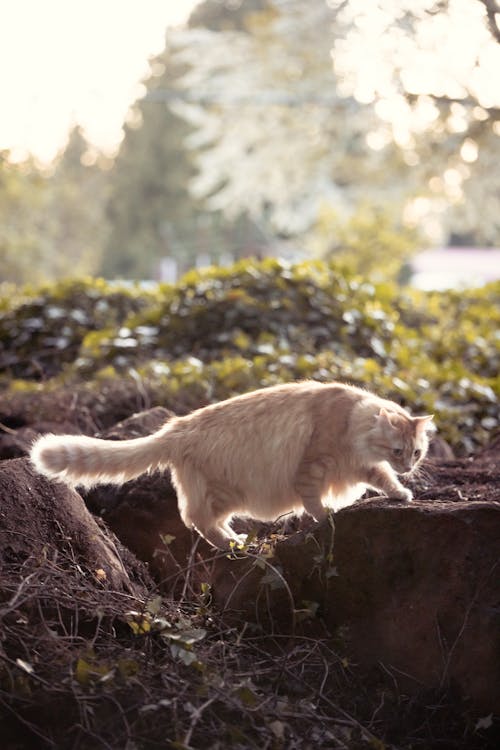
{"x": 216, "y": 536}
{"x": 218, "y": 532}
{"x": 200, "y": 507}
{"x": 224, "y": 501}
{"x": 237, "y": 538}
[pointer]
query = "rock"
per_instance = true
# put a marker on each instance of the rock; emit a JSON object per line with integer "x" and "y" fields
{"x": 440, "y": 450}
{"x": 414, "y": 587}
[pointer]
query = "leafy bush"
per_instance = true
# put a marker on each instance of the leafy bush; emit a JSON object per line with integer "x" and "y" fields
{"x": 41, "y": 329}
{"x": 219, "y": 332}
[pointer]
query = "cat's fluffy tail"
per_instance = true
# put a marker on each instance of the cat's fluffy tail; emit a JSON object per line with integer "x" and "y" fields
{"x": 86, "y": 461}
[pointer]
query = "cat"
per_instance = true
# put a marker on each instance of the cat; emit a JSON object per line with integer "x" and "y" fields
{"x": 294, "y": 447}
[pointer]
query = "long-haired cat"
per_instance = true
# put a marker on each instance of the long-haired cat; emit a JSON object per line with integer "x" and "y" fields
{"x": 291, "y": 447}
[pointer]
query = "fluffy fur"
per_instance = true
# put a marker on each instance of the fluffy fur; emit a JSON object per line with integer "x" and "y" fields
{"x": 295, "y": 447}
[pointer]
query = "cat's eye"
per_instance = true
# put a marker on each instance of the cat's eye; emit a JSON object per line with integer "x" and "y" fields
{"x": 417, "y": 453}
{"x": 397, "y": 451}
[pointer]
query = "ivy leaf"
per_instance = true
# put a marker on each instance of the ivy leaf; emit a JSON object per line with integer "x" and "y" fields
{"x": 153, "y": 605}
{"x": 139, "y": 622}
{"x": 167, "y": 539}
{"x": 247, "y": 696}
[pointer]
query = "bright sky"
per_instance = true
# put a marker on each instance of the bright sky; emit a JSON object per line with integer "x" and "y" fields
{"x": 67, "y": 61}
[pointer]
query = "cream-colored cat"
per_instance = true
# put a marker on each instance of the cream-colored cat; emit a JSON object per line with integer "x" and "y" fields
{"x": 287, "y": 448}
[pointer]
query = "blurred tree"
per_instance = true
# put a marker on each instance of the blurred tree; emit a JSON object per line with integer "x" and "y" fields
{"x": 75, "y": 221}
{"x": 273, "y": 136}
{"x": 151, "y": 210}
{"x": 51, "y": 221}
{"x": 22, "y": 204}
{"x": 430, "y": 69}
{"x": 370, "y": 242}
{"x": 225, "y": 15}
{"x": 149, "y": 206}
{"x": 405, "y": 117}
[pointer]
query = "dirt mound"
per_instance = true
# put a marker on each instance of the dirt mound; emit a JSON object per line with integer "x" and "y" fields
{"x": 471, "y": 479}
{"x": 42, "y": 520}
{"x": 65, "y": 583}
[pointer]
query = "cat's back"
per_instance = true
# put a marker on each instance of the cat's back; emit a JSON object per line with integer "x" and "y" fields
{"x": 265, "y": 404}
{"x": 275, "y": 414}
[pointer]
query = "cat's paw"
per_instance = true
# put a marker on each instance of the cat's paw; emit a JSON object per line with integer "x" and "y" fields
{"x": 239, "y": 540}
{"x": 403, "y": 494}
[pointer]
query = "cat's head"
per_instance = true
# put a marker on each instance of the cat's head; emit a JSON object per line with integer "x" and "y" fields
{"x": 400, "y": 439}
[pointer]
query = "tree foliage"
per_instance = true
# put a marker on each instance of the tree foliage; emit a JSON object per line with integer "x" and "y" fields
{"x": 370, "y": 242}
{"x": 149, "y": 208}
{"x": 76, "y": 220}
{"x": 263, "y": 120}
{"x": 269, "y": 101}
{"x": 429, "y": 68}
{"x": 153, "y": 214}
{"x": 22, "y": 198}
{"x": 52, "y": 222}
{"x": 347, "y": 103}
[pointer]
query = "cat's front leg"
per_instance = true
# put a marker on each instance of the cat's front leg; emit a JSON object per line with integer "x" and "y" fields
{"x": 383, "y": 478}
{"x": 309, "y": 485}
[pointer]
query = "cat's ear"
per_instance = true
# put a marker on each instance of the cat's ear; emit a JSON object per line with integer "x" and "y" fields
{"x": 425, "y": 423}
{"x": 384, "y": 419}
